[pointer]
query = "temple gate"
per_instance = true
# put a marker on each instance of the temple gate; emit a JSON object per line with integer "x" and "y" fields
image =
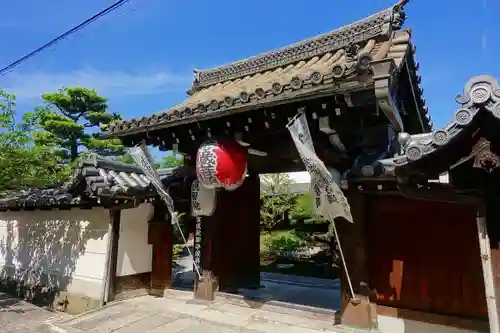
{"x": 358, "y": 87}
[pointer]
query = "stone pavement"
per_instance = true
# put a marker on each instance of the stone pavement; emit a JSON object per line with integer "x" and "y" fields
{"x": 17, "y": 316}
{"x": 177, "y": 312}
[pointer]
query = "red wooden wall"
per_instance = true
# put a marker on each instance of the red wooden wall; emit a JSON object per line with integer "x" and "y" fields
{"x": 425, "y": 256}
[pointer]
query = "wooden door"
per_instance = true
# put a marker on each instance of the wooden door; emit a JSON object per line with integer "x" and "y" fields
{"x": 425, "y": 256}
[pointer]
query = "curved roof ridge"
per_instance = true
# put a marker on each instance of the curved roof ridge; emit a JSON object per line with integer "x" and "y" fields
{"x": 378, "y": 24}
{"x": 481, "y": 96}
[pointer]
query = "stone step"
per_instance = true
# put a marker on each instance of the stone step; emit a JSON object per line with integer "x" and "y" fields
{"x": 255, "y": 298}
{"x": 306, "y": 281}
{"x": 280, "y": 313}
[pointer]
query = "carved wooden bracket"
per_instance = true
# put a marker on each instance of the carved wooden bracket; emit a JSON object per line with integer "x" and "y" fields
{"x": 484, "y": 157}
{"x": 384, "y": 76}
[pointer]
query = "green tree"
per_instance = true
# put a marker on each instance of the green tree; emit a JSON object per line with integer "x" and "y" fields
{"x": 303, "y": 210}
{"x": 23, "y": 164}
{"x": 172, "y": 161}
{"x": 126, "y": 159}
{"x": 70, "y": 120}
{"x": 277, "y": 199}
{"x": 276, "y": 183}
{"x": 303, "y": 207}
{"x": 167, "y": 162}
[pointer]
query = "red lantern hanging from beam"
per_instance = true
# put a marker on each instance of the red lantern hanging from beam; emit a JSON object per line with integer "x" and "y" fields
{"x": 221, "y": 164}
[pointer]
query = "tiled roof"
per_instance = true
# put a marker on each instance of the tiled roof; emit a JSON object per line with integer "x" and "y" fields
{"x": 373, "y": 26}
{"x": 95, "y": 181}
{"x": 57, "y": 196}
{"x": 104, "y": 177}
{"x": 478, "y": 115}
{"x": 336, "y": 60}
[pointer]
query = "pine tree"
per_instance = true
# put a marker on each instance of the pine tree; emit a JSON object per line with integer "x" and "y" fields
{"x": 70, "y": 123}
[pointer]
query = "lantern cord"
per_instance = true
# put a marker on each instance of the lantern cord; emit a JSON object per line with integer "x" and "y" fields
{"x": 348, "y": 277}
{"x": 176, "y": 221}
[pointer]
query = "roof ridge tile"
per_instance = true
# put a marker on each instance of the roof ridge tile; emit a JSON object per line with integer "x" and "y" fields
{"x": 381, "y": 23}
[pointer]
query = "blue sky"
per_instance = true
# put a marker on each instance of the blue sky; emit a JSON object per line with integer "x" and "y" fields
{"x": 141, "y": 57}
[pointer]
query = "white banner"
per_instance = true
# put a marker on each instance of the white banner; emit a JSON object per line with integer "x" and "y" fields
{"x": 329, "y": 200}
{"x": 141, "y": 156}
{"x": 143, "y": 159}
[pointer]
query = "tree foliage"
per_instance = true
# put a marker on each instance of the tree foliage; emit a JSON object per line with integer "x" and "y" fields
{"x": 125, "y": 159}
{"x": 303, "y": 210}
{"x": 277, "y": 199}
{"x": 41, "y": 148}
{"x": 169, "y": 161}
{"x": 23, "y": 164}
{"x": 172, "y": 161}
{"x": 71, "y": 120}
{"x": 276, "y": 183}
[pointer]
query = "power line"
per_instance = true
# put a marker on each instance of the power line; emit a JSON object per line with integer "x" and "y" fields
{"x": 63, "y": 36}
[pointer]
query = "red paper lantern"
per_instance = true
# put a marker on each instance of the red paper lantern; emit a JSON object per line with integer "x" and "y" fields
{"x": 221, "y": 164}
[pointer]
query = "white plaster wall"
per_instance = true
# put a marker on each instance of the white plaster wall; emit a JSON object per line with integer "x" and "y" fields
{"x": 62, "y": 248}
{"x": 134, "y": 253}
{"x": 388, "y": 324}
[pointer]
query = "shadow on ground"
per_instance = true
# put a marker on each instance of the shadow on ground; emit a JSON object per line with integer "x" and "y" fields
{"x": 12, "y": 305}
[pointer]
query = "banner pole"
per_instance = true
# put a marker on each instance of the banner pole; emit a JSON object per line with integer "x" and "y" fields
{"x": 143, "y": 159}
{"x": 330, "y": 201}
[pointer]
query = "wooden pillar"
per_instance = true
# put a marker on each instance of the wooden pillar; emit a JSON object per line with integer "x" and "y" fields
{"x": 489, "y": 241}
{"x": 236, "y": 252}
{"x": 360, "y": 312}
{"x": 206, "y": 286}
{"x": 160, "y": 236}
{"x": 230, "y": 249}
{"x": 112, "y": 259}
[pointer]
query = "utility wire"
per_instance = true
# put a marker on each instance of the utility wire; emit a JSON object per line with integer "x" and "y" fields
{"x": 63, "y": 36}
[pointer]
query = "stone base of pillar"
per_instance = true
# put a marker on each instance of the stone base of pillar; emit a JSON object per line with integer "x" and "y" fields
{"x": 157, "y": 292}
{"x": 205, "y": 287}
{"x": 359, "y": 314}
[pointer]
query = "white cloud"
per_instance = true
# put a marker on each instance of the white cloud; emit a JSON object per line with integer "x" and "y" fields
{"x": 107, "y": 83}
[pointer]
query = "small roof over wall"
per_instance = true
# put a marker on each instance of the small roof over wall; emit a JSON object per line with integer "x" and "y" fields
{"x": 333, "y": 63}
{"x": 469, "y": 143}
{"x": 96, "y": 182}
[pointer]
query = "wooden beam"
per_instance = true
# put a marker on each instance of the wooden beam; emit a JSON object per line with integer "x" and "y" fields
{"x": 489, "y": 242}
{"x": 112, "y": 260}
